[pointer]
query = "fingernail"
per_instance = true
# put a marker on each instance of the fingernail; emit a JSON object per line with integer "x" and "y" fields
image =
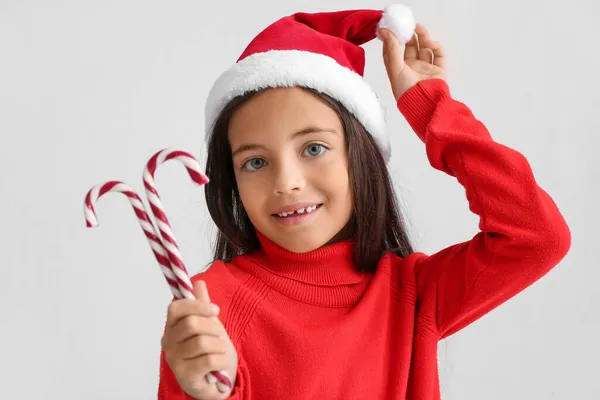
{"x": 222, "y": 388}
{"x": 211, "y": 378}
{"x": 215, "y": 308}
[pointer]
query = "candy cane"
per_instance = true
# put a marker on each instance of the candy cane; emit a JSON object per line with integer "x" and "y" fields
{"x": 140, "y": 211}
{"x": 193, "y": 168}
{"x": 169, "y": 242}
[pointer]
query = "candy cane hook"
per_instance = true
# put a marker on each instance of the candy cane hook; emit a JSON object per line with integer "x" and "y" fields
{"x": 140, "y": 211}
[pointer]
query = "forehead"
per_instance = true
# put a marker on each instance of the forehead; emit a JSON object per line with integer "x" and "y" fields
{"x": 279, "y": 111}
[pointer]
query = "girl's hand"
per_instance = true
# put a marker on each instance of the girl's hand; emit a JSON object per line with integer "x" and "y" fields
{"x": 407, "y": 65}
{"x": 195, "y": 343}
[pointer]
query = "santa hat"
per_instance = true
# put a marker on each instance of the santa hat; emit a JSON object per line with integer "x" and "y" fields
{"x": 321, "y": 51}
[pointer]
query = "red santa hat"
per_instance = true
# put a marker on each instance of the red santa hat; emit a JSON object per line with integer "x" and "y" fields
{"x": 321, "y": 51}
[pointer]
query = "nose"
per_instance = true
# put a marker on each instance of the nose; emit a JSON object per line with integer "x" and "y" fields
{"x": 288, "y": 177}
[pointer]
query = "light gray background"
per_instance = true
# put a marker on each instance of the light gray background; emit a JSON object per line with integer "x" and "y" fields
{"x": 90, "y": 90}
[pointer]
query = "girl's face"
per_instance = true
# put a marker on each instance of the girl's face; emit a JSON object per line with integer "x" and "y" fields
{"x": 289, "y": 153}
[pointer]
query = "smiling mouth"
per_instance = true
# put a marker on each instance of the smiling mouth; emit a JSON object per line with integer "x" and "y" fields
{"x": 299, "y": 212}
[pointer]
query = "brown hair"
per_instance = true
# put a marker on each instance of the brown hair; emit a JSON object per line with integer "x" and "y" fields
{"x": 378, "y": 224}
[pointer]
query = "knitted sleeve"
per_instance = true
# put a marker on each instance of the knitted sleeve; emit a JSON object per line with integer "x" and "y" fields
{"x": 522, "y": 233}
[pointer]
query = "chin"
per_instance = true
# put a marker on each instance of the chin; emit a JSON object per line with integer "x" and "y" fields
{"x": 311, "y": 235}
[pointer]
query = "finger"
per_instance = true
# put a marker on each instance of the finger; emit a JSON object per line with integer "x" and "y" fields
{"x": 412, "y": 48}
{"x": 439, "y": 55}
{"x": 435, "y": 51}
{"x": 423, "y": 33}
{"x": 437, "y": 48}
{"x": 426, "y": 54}
{"x": 189, "y": 328}
{"x": 195, "y": 325}
{"x": 180, "y": 309}
{"x": 222, "y": 387}
{"x": 207, "y": 363}
{"x": 202, "y": 365}
{"x": 393, "y": 52}
{"x": 391, "y": 45}
{"x": 417, "y": 42}
{"x": 201, "y": 291}
{"x": 201, "y": 345}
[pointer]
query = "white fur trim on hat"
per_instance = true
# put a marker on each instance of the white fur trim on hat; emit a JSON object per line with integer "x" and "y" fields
{"x": 288, "y": 68}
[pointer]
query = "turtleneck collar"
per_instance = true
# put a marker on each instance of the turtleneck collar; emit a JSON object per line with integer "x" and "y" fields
{"x": 325, "y": 276}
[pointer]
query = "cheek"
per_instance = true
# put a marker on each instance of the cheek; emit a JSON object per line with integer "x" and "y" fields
{"x": 251, "y": 193}
{"x": 334, "y": 181}
{"x": 342, "y": 192}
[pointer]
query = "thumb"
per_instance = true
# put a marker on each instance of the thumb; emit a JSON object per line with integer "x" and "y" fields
{"x": 393, "y": 53}
{"x": 201, "y": 291}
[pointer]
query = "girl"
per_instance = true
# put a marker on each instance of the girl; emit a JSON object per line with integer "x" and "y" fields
{"x": 321, "y": 295}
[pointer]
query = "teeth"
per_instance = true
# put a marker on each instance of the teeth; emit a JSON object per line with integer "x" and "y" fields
{"x": 299, "y": 211}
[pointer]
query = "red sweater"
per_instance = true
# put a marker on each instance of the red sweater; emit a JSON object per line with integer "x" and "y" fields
{"x": 308, "y": 326}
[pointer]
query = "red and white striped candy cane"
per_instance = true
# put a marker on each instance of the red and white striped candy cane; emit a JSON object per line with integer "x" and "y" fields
{"x": 159, "y": 251}
{"x": 168, "y": 239}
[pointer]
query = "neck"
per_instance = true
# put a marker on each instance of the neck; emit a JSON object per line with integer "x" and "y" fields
{"x": 324, "y": 276}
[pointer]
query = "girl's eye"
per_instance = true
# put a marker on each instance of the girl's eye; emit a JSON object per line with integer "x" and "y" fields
{"x": 253, "y": 164}
{"x": 315, "y": 149}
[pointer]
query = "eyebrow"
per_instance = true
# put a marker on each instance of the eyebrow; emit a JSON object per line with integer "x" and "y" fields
{"x": 303, "y": 132}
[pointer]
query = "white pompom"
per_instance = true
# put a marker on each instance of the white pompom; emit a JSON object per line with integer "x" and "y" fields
{"x": 400, "y": 20}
